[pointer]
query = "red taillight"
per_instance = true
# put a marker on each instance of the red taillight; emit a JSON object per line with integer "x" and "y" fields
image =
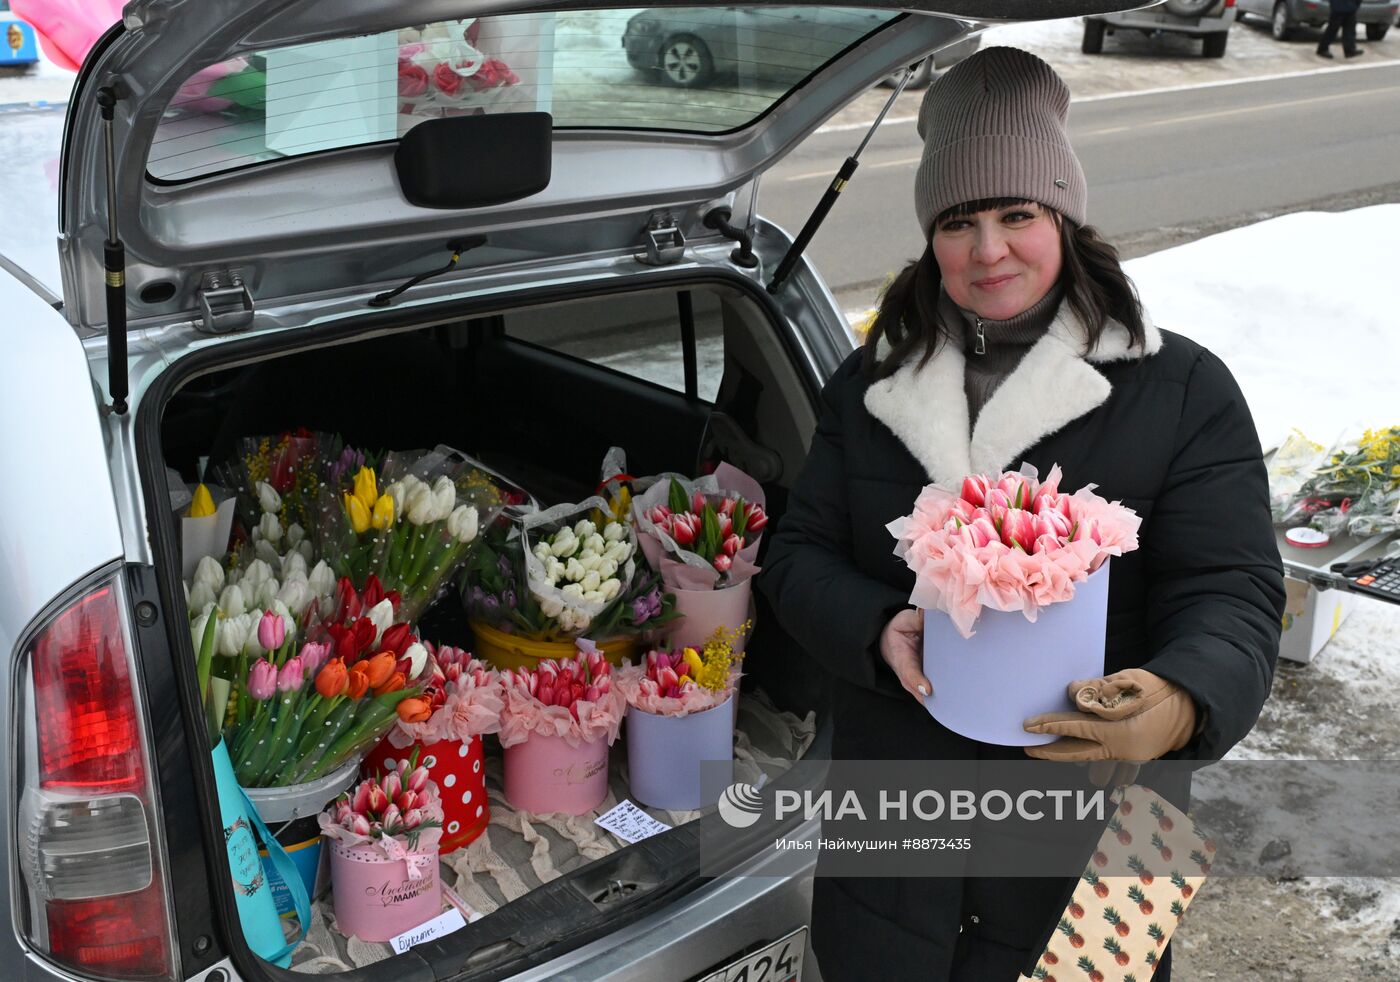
{"x": 94, "y": 897}
{"x": 88, "y": 728}
{"x": 1229, "y": 4}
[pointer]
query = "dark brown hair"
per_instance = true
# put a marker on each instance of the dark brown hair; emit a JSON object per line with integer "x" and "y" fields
{"x": 1095, "y": 287}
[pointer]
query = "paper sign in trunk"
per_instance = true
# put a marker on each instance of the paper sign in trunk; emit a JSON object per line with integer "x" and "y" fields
{"x": 378, "y": 897}
{"x": 985, "y": 686}
{"x": 545, "y": 774}
{"x": 664, "y": 754}
{"x": 459, "y": 771}
{"x": 705, "y": 610}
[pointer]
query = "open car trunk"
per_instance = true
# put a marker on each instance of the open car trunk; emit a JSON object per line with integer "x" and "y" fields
{"x": 681, "y": 376}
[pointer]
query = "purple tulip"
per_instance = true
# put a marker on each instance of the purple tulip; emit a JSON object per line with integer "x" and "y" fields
{"x": 271, "y": 631}
{"x": 291, "y": 677}
{"x": 509, "y": 597}
{"x": 262, "y": 679}
{"x": 490, "y": 605}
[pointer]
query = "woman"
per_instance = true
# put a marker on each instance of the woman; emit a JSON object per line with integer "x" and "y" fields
{"x": 1015, "y": 338}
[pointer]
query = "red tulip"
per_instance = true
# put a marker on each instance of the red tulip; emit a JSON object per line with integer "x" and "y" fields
{"x": 359, "y": 824}
{"x": 396, "y": 639}
{"x": 1018, "y": 529}
{"x": 727, "y": 506}
{"x": 360, "y": 803}
{"x": 757, "y": 520}
{"x": 697, "y": 503}
{"x": 364, "y": 632}
{"x": 732, "y": 545}
{"x": 417, "y": 779}
{"x": 358, "y": 683}
{"x": 546, "y": 695}
{"x": 372, "y": 593}
{"x": 392, "y": 819}
{"x": 683, "y": 531}
{"x": 974, "y": 490}
{"x": 726, "y": 526}
{"x": 393, "y": 785}
{"x": 347, "y": 601}
{"x": 377, "y": 800}
{"x": 723, "y": 562}
{"x": 667, "y": 678}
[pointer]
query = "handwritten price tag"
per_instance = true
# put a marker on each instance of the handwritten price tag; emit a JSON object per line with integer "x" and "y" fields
{"x": 629, "y": 823}
{"x": 436, "y": 928}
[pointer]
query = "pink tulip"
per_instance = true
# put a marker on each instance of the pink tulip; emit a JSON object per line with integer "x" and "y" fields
{"x": 412, "y": 818}
{"x": 1018, "y": 529}
{"x": 271, "y": 631}
{"x": 726, "y": 526}
{"x": 982, "y": 531}
{"x": 313, "y": 657}
{"x": 417, "y": 780}
{"x": 360, "y": 803}
{"x": 997, "y": 501}
{"x": 659, "y": 515}
{"x": 727, "y": 506}
{"x": 667, "y": 678}
{"x": 591, "y": 693}
{"x": 1051, "y": 523}
{"x": 291, "y": 677}
{"x": 1046, "y": 543}
{"x": 684, "y": 529}
{"x": 732, "y": 545}
{"x": 377, "y": 800}
{"x": 393, "y": 785}
{"x": 359, "y": 824}
{"x": 392, "y": 818}
{"x": 1018, "y": 492}
{"x": 405, "y": 801}
{"x": 757, "y": 520}
{"x": 262, "y": 679}
{"x": 697, "y": 503}
{"x": 723, "y": 563}
{"x": 546, "y": 696}
{"x": 974, "y": 490}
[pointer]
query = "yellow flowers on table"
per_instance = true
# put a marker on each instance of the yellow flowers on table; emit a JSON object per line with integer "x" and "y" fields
{"x": 203, "y": 504}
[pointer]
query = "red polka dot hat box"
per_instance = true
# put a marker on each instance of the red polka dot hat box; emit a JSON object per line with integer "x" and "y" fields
{"x": 1115, "y": 927}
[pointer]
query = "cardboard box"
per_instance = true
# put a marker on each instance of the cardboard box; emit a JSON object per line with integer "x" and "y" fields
{"x": 1310, "y": 618}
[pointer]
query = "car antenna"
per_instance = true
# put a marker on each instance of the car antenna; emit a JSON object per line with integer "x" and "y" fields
{"x": 456, "y": 247}
{"x": 833, "y": 191}
{"x": 114, "y": 264}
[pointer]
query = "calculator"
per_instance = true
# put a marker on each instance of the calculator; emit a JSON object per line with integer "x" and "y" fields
{"x": 1381, "y": 580}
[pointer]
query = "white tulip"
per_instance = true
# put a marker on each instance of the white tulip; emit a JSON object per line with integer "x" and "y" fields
{"x": 231, "y": 601}
{"x": 232, "y": 632}
{"x": 616, "y": 551}
{"x": 306, "y": 549}
{"x": 566, "y": 619}
{"x": 554, "y": 569}
{"x": 595, "y": 543}
{"x": 581, "y": 621}
{"x": 420, "y": 504}
{"x": 210, "y": 572}
{"x": 614, "y": 532}
{"x": 322, "y": 579}
{"x": 572, "y": 592}
{"x": 462, "y": 526}
{"x": 417, "y": 656}
{"x": 201, "y": 597}
{"x": 607, "y": 568}
{"x": 551, "y": 607}
{"x": 269, "y": 528}
{"x": 574, "y": 571}
{"x": 270, "y": 500}
{"x": 257, "y": 573}
{"x": 397, "y": 492}
{"x": 267, "y": 593}
{"x": 327, "y": 606}
{"x": 295, "y": 595}
{"x": 542, "y": 552}
{"x": 591, "y": 581}
{"x": 591, "y": 562}
{"x": 444, "y": 498}
{"x": 584, "y": 529}
{"x": 610, "y": 589}
{"x": 382, "y": 616}
{"x": 266, "y": 552}
{"x": 295, "y": 534}
{"x": 293, "y": 566}
{"x": 564, "y": 543}
{"x": 197, "y": 630}
{"x": 592, "y": 596}
{"x": 248, "y": 624}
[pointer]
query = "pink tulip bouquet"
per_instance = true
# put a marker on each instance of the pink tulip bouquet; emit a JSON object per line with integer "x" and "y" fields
{"x": 1008, "y": 543}
{"x": 463, "y": 697}
{"x": 573, "y": 698}
{"x": 703, "y": 534}
{"x": 402, "y": 805}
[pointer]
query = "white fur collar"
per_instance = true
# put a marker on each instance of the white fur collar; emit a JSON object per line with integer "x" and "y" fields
{"x": 1054, "y": 384}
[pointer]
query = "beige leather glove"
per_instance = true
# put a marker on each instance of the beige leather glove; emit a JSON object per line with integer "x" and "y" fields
{"x": 1131, "y": 715}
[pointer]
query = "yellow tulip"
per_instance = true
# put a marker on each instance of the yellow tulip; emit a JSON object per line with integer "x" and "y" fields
{"x": 366, "y": 489}
{"x": 203, "y": 504}
{"x": 358, "y": 514}
{"x": 692, "y": 658}
{"x": 383, "y": 517}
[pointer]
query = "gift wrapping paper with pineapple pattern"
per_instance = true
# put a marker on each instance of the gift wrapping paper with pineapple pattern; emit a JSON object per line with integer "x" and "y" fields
{"x": 1115, "y": 927}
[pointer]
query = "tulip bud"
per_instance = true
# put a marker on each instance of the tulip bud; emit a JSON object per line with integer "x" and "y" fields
{"x": 230, "y": 636}
{"x": 412, "y": 818}
{"x": 210, "y": 573}
{"x": 322, "y": 579}
{"x": 417, "y": 780}
{"x": 294, "y": 535}
{"x": 572, "y": 592}
{"x": 564, "y": 543}
{"x": 732, "y": 545}
{"x": 271, "y": 631}
{"x": 262, "y": 679}
{"x": 419, "y": 504}
{"x": 366, "y": 488}
{"x": 381, "y": 615}
{"x": 292, "y": 676}
{"x": 201, "y": 598}
{"x": 551, "y": 607}
{"x": 444, "y": 498}
{"x": 584, "y": 529}
{"x": 723, "y": 563}
{"x": 356, "y": 513}
{"x": 268, "y": 498}
{"x": 265, "y": 595}
{"x": 359, "y": 824}
{"x": 231, "y": 601}
{"x": 293, "y": 567}
{"x": 614, "y": 532}
{"x": 417, "y": 657}
{"x": 610, "y": 588}
{"x": 296, "y": 596}
{"x": 269, "y": 528}
{"x": 357, "y": 683}
{"x": 574, "y": 570}
{"x": 378, "y": 800}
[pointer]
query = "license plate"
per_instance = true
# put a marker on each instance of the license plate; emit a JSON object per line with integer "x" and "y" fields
{"x": 781, "y": 961}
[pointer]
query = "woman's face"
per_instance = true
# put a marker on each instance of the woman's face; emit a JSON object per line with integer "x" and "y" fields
{"x": 1000, "y": 262}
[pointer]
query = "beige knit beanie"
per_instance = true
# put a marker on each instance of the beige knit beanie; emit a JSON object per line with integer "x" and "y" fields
{"x": 993, "y": 126}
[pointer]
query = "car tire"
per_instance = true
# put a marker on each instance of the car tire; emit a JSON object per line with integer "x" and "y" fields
{"x": 1188, "y": 8}
{"x": 1279, "y": 24}
{"x": 923, "y": 75}
{"x": 1093, "y": 37}
{"x": 1213, "y": 45}
{"x": 1376, "y": 32}
{"x": 685, "y": 62}
{"x": 1239, "y": 15}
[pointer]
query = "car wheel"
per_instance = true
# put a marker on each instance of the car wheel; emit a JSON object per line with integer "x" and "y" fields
{"x": 1280, "y": 26}
{"x": 1376, "y": 32}
{"x": 923, "y": 75}
{"x": 685, "y": 62}
{"x": 1093, "y": 37}
{"x": 1239, "y": 15}
{"x": 1213, "y": 46}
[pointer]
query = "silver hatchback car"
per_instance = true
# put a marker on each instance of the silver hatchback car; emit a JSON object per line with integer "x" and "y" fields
{"x": 248, "y": 195}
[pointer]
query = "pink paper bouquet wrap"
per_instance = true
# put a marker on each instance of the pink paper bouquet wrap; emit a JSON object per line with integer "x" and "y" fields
{"x": 997, "y": 547}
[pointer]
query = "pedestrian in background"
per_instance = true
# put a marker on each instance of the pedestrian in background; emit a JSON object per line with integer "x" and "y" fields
{"x": 1343, "y": 16}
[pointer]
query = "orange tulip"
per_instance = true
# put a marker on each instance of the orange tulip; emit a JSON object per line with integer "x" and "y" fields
{"x": 394, "y": 683}
{"x": 332, "y": 679}
{"x": 359, "y": 681}
{"x": 415, "y": 710}
{"x": 379, "y": 668}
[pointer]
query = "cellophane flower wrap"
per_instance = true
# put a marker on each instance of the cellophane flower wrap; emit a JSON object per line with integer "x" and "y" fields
{"x": 701, "y": 534}
{"x": 463, "y": 698}
{"x": 573, "y": 698}
{"x": 441, "y": 67}
{"x": 1008, "y": 542}
{"x": 689, "y": 680}
{"x": 398, "y": 812}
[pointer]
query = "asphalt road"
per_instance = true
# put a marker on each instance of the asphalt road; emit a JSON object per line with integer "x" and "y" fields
{"x": 1162, "y": 168}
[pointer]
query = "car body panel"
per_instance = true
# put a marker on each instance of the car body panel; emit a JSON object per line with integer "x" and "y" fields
{"x": 1314, "y": 13}
{"x": 1158, "y": 18}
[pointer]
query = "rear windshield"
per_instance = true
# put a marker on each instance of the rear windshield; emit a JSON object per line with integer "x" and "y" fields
{"x": 684, "y": 69}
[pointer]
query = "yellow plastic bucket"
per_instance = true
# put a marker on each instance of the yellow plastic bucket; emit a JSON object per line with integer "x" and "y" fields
{"x": 509, "y": 651}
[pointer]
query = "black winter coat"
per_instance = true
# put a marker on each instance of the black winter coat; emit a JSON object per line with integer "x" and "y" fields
{"x": 1199, "y": 603}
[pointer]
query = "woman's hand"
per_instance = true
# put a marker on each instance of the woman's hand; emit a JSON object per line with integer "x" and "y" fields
{"x": 902, "y": 647}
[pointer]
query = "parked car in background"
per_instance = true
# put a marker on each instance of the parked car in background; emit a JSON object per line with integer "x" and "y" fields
{"x": 1286, "y": 16}
{"x": 940, "y": 60}
{"x": 1204, "y": 19}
